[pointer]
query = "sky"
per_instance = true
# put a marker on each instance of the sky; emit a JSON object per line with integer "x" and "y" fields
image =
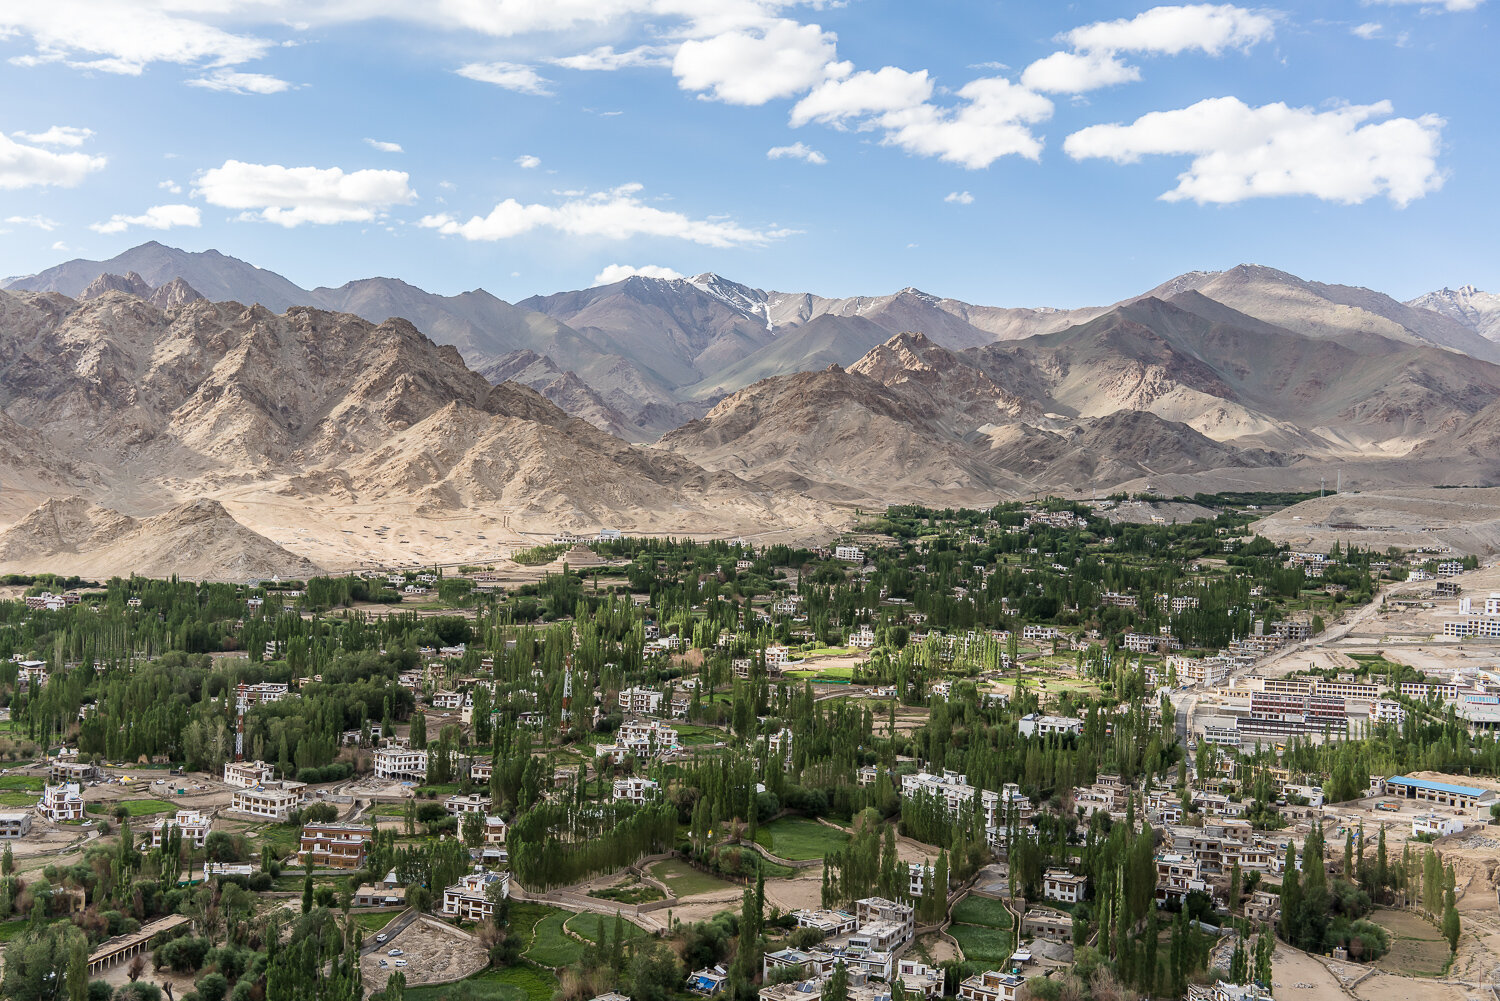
{"x": 1005, "y": 153}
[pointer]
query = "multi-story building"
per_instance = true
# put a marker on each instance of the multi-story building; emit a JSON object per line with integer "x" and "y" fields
{"x": 15, "y": 825}
{"x": 254, "y": 695}
{"x": 635, "y": 790}
{"x": 640, "y": 701}
{"x": 884, "y": 925}
{"x": 457, "y": 805}
{"x": 1037, "y": 725}
{"x": 397, "y": 762}
{"x": 1387, "y": 711}
{"x": 192, "y": 823}
{"x": 270, "y": 801}
{"x": 1436, "y": 825}
{"x": 991, "y": 985}
{"x": 1177, "y": 875}
{"x": 61, "y": 802}
{"x": 1273, "y": 715}
{"x": 829, "y": 922}
{"x": 849, "y": 554}
{"x": 247, "y": 774}
{"x": 337, "y": 846}
{"x": 469, "y": 898}
{"x": 1063, "y": 886}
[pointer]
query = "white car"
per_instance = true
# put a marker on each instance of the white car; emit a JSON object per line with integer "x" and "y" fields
{"x": 384, "y": 964}
{"x": 381, "y": 937}
{"x": 400, "y": 962}
{"x": 395, "y": 952}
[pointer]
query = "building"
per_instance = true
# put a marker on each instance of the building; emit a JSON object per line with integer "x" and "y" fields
{"x": 399, "y": 763}
{"x": 193, "y": 825}
{"x": 1436, "y": 793}
{"x": 15, "y": 825}
{"x": 469, "y": 898}
{"x": 1278, "y": 715}
{"x": 61, "y": 802}
{"x": 457, "y": 805}
{"x": 1436, "y": 825}
{"x": 335, "y": 846}
{"x": 640, "y": 701}
{"x": 635, "y": 790}
{"x": 1037, "y": 725}
{"x": 1387, "y": 711}
{"x": 884, "y": 925}
{"x": 849, "y": 554}
{"x": 271, "y": 801}
{"x": 494, "y": 830}
{"x": 862, "y": 638}
{"x": 62, "y": 771}
{"x": 1063, "y": 886}
{"x": 992, "y": 985}
{"x": 1177, "y": 875}
{"x": 254, "y": 695}
{"x": 247, "y": 774}
{"x": 707, "y": 982}
{"x": 830, "y": 923}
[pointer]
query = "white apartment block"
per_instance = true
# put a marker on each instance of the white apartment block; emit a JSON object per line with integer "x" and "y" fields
{"x": 641, "y": 701}
{"x": 849, "y": 554}
{"x": 274, "y": 801}
{"x": 635, "y": 790}
{"x": 1387, "y": 711}
{"x": 61, "y": 802}
{"x": 1063, "y": 886}
{"x": 400, "y": 764}
{"x": 1037, "y": 725}
{"x": 992, "y": 985}
{"x": 192, "y": 823}
{"x": 862, "y": 638}
{"x": 469, "y": 898}
{"x": 247, "y": 774}
{"x": 475, "y": 802}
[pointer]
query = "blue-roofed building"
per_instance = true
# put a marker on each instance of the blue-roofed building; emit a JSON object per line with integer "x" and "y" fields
{"x": 1431, "y": 791}
{"x": 707, "y": 982}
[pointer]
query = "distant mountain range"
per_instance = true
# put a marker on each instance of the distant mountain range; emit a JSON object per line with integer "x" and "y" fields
{"x": 648, "y": 354}
{"x": 132, "y": 387}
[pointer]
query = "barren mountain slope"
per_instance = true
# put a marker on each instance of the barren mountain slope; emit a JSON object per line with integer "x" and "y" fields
{"x": 73, "y": 536}
{"x": 1479, "y": 311}
{"x": 565, "y": 389}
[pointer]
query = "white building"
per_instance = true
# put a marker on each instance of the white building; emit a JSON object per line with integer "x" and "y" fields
{"x": 642, "y": 701}
{"x": 273, "y": 801}
{"x": 61, "y": 802}
{"x": 400, "y": 764}
{"x": 635, "y": 790}
{"x": 247, "y": 774}
{"x": 862, "y": 638}
{"x": 469, "y": 898}
{"x": 1387, "y": 711}
{"x": 1436, "y": 825}
{"x": 192, "y": 823}
{"x": 992, "y": 985}
{"x": 1063, "y": 886}
{"x": 457, "y": 805}
{"x": 849, "y": 554}
{"x": 1037, "y": 725}
{"x": 15, "y": 825}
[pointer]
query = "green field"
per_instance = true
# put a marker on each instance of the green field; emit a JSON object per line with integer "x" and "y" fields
{"x": 18, "y": 799}
{"x": 798, "y": 838}
{"x": 974, "y": 910}
{"x": 587, "y": 925}
{"x": 684, "y": 881}
{"x": 551, "y": 946}
{"x": 374, "y": 922}
{"x": 522, "y": 982}
{"x": 33, "y": 783}
{"x": 981, "y": 944}
{"x": 135, "y": 807}
{"x": 524, "y": 917}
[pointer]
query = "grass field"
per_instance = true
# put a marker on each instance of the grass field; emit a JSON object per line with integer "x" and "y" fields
{"x": 523, "y": 982}
{"x": 632, "y": 892}
{"x": 798, "y": 838}
{"x": 524, "y": 918}
{"x": 135, "y": 807}
{"x": 587, "y": 925}
{"x": 1417, "y": 948}
{"x": 31, "y": 782}
{"x": 18, "y": 799}
{"x": 373, "y": 922}
{"x": 981, "y": 944}
{"x": 684, "y": 881}
{"x": 974, "y": 910}
{"x": 551, "y": 946}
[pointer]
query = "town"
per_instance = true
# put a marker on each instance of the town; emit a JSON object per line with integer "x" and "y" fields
{"x": 1050, "y": 750}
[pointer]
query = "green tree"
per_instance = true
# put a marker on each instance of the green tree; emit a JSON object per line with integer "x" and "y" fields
{"x": 836, "y": 987}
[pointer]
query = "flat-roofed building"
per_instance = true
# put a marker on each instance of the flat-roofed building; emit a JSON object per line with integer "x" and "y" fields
{"x": 247, "y": 774}
{"x": 272, "y": 801}
{"x": 337, "y": 846}
{"x": 192, "y": 823}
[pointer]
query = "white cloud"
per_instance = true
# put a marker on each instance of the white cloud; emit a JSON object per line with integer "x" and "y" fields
{"x": 511, "y": 76}
{"x": 156, "y": 217}
{"x": 1170, "y": 30}
{"x": 235, "y": 82}
{"x": 112, "y": 37}
{"x": 796, "y": 151}
{"x": 619, "y": 272}
{"x": 833, "y": 102}
{"x": 170, "y": 186}
{"x": 991, "y": 123}
{"x": 59, "y": 245}
{"x": 40, "y": 222}
{"x": 754, "y": 65}
{"x": 1239, "y": 152}
{"x": 959, "y": 198}
{"x": 23, "y": 166}
{"x": 290, "y": 196}
{"x": 383, "y": 146}
{"x": 1368, "y": 30}
{"x": 606, "y": 59}
{"x": 528, "y": 162}
{"x": 57, "y": 135}
{"x": 1454, "y": 6}
{"x": 618, "y": 214}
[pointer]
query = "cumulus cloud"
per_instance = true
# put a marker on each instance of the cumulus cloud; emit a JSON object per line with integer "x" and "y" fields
{"x": 40, "y": 222}
{"x": 993, "y": 121}
{"x": 835, "y": 102}
{"x": 57, "y": 135}
{"x": 1348, "y": 154}
{"x": 1370, "y": 29}
{"x": 959, "y": 198}
{"x": 170, "y": 186}
{"x": 1094, "y": 60}
{"x": 511, "y": 76}
{"x": 235, "y": 82}
{"x": 384, "y": 147}
{"x": 528, "y": 162}
{"x": 619, "y": 272}
{"x": 796, "y": 151}
{"x": 110, "y": 37}
{"x": 617, "y": 214}
{"x": 23, "y": 166}
{"x": 156, "y": 217}
{"x": 606, "y": 59}
{"x": 751, "y": 66}
{"x": 290, "y": 196}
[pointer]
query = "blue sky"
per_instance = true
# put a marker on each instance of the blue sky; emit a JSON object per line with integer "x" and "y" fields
{"x": 1003, "y": 153}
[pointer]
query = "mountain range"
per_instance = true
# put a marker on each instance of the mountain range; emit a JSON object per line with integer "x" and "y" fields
{"x": 133, "y": 387}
